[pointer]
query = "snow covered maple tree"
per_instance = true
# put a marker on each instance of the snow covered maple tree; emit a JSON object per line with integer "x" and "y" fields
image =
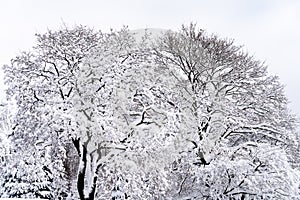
{"x": 107, "y": 116}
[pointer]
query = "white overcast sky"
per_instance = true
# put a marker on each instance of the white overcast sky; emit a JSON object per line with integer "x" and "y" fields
{"x": 268, "y": 29}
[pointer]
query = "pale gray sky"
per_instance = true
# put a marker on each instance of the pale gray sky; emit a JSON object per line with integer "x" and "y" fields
{"x": 269, "y": 29}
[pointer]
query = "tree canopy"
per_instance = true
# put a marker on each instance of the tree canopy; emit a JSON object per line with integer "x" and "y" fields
{"x": 106, "y": 116}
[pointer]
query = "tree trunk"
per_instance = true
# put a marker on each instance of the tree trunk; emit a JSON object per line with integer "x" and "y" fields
{"x": 81, "y": 174}
{"x": 85, "y": 184}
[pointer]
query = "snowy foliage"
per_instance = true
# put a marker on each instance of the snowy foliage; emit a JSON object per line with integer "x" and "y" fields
{"x": 39, "y": 82}
{"x": 107, "y": 116}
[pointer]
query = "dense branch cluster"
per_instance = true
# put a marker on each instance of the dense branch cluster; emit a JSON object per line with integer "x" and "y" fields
{"x": 106, "y": 116}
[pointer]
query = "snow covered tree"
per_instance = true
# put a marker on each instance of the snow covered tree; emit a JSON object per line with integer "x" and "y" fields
{"x": 41, "y": 82}
{"x": 127, "y": 117}
{"x": 5, "y": 128}
{"x": 106, "y": 116}
{"x": 113, "y": 103}
{"x": 237, "y": 105}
